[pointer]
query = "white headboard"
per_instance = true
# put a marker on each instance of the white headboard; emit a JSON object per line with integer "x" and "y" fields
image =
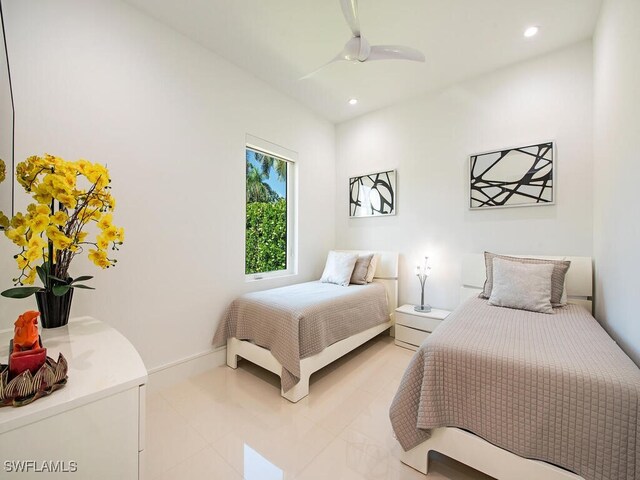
{"x": 579, "y": 280}
{"x": 386, "y": 273}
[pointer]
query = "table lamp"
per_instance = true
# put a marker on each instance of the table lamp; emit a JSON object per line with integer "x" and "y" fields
{"x": 422, "y": 276}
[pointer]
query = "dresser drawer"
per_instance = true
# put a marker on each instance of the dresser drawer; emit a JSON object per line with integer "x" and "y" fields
{"x": 417, "y": 322}
{"x": 410, "y": 335}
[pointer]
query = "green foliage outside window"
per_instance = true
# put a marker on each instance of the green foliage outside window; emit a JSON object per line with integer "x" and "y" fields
{"x": 266, "y": 214}
{"x": 266, "y": 237}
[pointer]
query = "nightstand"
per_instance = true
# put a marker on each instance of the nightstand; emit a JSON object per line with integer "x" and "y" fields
{"x": 413, "y": 328}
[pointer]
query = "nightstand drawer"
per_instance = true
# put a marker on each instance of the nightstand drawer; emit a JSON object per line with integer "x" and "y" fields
{"x": 417, "y": 322}
{"x": 410, "y": 335}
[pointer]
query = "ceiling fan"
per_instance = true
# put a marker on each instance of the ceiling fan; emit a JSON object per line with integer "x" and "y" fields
{"x": 357, "y": 49}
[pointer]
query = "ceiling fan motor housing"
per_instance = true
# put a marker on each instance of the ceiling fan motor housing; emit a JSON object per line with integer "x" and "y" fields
{"x": 357, "y": 48}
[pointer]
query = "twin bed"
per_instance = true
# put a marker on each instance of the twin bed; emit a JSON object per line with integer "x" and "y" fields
{"x": 512, "y": 393}
{"x": 295, "y": 331}
{"x": 524, "y": 395}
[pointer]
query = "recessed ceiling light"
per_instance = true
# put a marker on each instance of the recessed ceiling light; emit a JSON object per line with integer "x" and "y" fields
{"x": 531, "y": 31}
{"x": 353, "y": 101}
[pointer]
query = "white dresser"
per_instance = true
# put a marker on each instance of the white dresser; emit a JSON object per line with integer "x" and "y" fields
{"x": 413, "y": 328}
{"x": 94, "y": 425}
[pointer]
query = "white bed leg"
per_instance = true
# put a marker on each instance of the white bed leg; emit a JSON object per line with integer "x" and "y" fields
{"x": 298, "y": 392}
{"x": 417, "y": 458}
{"x": 232, "y": 358}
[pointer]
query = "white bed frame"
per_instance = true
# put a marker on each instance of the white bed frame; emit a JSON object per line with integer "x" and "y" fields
{"x": 472, "y": 450}
{"x": 386, "y": 273}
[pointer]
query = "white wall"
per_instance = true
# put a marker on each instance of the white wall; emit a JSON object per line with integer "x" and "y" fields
{"x": 429, "y": 140}
{"x": 617, "y": 170}
{"x": 99, "y": 80}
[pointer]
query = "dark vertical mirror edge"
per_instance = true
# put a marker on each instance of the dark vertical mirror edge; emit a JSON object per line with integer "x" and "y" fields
{"x": 10, "y": 162}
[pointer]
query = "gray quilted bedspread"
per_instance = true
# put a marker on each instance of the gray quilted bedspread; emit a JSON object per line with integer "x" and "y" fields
{"x": 301, "y": 320}
{"x": 555, "y": 388}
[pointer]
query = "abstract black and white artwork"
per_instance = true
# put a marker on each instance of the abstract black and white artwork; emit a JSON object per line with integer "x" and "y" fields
{"x": 514, "y": 177}
{"x": 373, "y": 195}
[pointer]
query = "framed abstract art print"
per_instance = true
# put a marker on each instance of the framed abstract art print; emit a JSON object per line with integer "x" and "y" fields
{"x": 513, "y": 177}
{"x": 372, "y": 195}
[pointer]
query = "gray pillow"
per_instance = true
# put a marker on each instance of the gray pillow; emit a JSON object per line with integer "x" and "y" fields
{"x": 560, "y": 269}
{"x": 359, "y": 275}
{"x": 371, "y": 272}
{"x": 523, "y": 286}
{"x": 339, "y": 268}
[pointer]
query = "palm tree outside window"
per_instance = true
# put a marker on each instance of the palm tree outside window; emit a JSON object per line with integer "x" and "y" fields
{"x": 266, "y": 233}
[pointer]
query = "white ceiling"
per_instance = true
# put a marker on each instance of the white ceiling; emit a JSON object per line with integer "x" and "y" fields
{"x": 280, "y": 41}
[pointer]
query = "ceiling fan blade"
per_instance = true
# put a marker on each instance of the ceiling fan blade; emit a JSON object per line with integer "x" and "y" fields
{"x": 395, "y": 52}
{"x": 350, "y": 10}
{"x": 338, "y": 58}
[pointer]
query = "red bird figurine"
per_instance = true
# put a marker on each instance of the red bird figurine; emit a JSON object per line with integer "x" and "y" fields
{"x": 27, "y": 352}
{"x": 26, "y": 331}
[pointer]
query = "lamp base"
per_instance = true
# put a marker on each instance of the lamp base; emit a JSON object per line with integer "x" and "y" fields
{"x": 422, "y": 308}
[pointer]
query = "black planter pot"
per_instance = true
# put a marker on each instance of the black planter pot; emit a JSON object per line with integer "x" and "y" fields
{"x": 54, "y": 311}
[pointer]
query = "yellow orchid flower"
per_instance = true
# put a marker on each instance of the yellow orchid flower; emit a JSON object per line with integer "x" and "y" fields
{"x": 43, "y": 210}
{"x": 43, "y": 194}
{"x": 22, "y": 261}
{"x": 69, "y": 201}
{"x": 105, "y": 222}
{"x": 53, "y": 232}
{"x": 36, "y": 242}
{"x": 59, "y": 218}
{"x": 110, "y": 234}
{"x": 16, "y": 235}
{"x": 102, "y": 242}
{"x": 20, "y": 241}
{"x": 99, "y": 258}
{"x": 33, "y": 254}
{"x": 61, "y": 242}
{"x": 18, "y": 220}
{"x": 30, "y": 279}
{"x": 39, "y": 223}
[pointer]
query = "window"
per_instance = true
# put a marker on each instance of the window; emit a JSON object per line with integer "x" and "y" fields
{"x": 269, "y": 228}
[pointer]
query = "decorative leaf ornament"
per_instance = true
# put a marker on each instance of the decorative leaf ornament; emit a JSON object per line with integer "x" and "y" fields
{"x": 25, "y": 388}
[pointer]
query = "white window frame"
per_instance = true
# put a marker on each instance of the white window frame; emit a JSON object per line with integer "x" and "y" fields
{"x": 291, "y": 158}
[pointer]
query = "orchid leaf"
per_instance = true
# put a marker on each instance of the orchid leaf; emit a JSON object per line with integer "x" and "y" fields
{"x": 42, "y": 274}
{"x": 21, "y": 292}
{"x": 82, "y": 278}
{"x": 60, "y": 290}
{"x": 53, "y": 277}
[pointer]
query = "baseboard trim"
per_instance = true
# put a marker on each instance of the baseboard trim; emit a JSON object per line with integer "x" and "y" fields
{"x": 172, "y": 373}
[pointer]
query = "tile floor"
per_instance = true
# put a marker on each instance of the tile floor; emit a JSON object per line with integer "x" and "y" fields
{"x": 233, "y": 424}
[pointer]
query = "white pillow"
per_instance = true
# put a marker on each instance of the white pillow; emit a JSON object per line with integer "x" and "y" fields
{"x": 339, "y": 268}
{"x": 557, "y": 279}
{"x": 523, "y": 286}
{"x": 371, "y": 272}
